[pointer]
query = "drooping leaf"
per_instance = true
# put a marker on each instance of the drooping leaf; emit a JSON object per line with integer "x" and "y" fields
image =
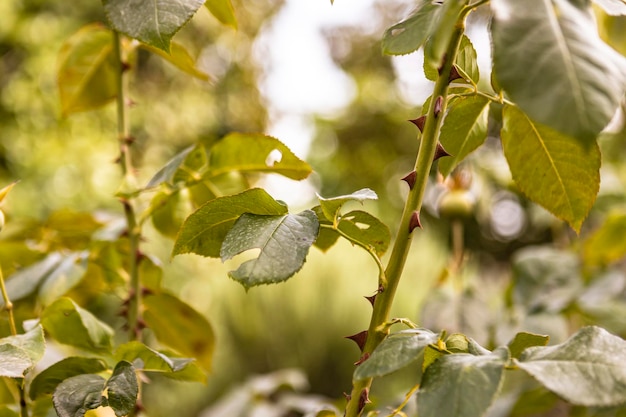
{"x": 524, "y": 340}
{"x": 14, "y": 362}
{"x": 180, "y": 327}
{"x": 63, "y": 277}
{"x": 587, "y": 369}
{"x": 87, "y": 70}
{"x": 331, "y": 206}
{"x": 366, "y": 230}
{"x": 461, "y": 385}
{"x": 72, "y": 325}
{"x": 464, "y": 129}
{"x": 436, "y": 46}
{"x": 552, "y": 169}
{"x": 151, "y": 22}
{"x": 284, "y": 242}
{"x": 612, "y": 7}
{"x": 607, "y": 244}
{"x": 250, "y": 152}
{"x": 408, "y": 35}
{"x": 223, "y": 11}
{"x": 78, "y": 394}
{"x": 180, "y": 58}
{"x": 149, "y": 360}
{"x": 166, "y": 174}
{"x": 549, "y": 58}
{"x": 205, "y": 229}
{"x": 395, "y": 352}
{"x": 48, "y": 379}
{"x": 122, "y": 389}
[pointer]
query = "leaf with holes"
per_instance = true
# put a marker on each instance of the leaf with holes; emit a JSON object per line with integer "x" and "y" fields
{"x": 205, "y": 229}
{"x": 552, "y": 169}
{"x": 87, "y": 70}
{"x": 249, "y": 152}
{"x": 549, "y": 59}
{"x": 151, "y": 22}
{"x": 395, "y": 352}
{"x": 284, "y": 242}
{"x": 365, "y": 230}
{"x": 331, "y": 206}
{"x": 180, "y": 327}
{"x": 587, "y": 369}
{"x": 223, "y": 11}
{"x": 464, "y": 129}
{"x": 461, "y": 385}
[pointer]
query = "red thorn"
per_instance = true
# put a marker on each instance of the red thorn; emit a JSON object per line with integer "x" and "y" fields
{"x": 364, "y": 398}
{"x": 359, "y": 339}
{"x": 415, "y": 221}
{"x": 362, "y": 359}
{"x": 454, "y": 74}
{"x": 410, "y": 179}
{"x": 438, "y": 106}
{"x": 371, "y": 299}
{"x": 419, "y": 122}
{"x": 440, "y": 152}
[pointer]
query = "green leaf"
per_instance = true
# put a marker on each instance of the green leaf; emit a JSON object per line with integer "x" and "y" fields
{"x": 180, "y": 327}
{"x": 78, "y": 394}
{"x": 464, "y": 129}
{"x": 151, "y": 22}
{"x": 564, "y": 176}
{"x": 607, "y": 244}
{"x": 47, "y": 380}
{"x": 7, "y": 412}
{"x": 63, "y": 277}
{"x": 72, "y": 325}
{"x": 25, "y": 281}
{"x": 122, "y": 389}
{"x": 250, "y": 152}
{"x": 461, "y": 385}
{"x": 366, "y": 230}
{"x": 408, "y": 35}
{"x": 524, "y": 340}
{"x": 284, "y": 242}
{"x": 550, "y": 60}
{"x": 32, "y": 343}
{"x": 223, "y": 11}
{"x": 166, "y": 217}
{"x": 612, "y": 7}
{"x": 446, "y": 24}
{"x": 327, "y": 236}
{"x": 466, "y": 59}
{"x": 166, "y": 174}
{"x": 587, "y": 369}
{"x": 332, "y": 206}
{"x": 180, "y": 58}
{"x": 395, "y": 352}
{"x": 14, "y": 362}
{"x": 205, "y": 229}
{"x": 87, "y": 70}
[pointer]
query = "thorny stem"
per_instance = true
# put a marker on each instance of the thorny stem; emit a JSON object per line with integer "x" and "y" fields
{"x": 428, "y": 144}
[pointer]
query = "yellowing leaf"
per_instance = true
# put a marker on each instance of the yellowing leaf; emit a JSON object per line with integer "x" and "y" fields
{"x": 180, "y": 58}
{"x": 223, "y": 11}
{"x": 556, "y": 171}
{"x": 87, "y": 70}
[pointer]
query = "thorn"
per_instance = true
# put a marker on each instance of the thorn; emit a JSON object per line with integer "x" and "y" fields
{"x": 419, "y": 122}
{"x": 125, "y": 66}
{"x": 438, "y": 106}
{"x": 371, "y": 299}
{"x": 380, "y": 289}
{"x": 440, "y": 152}
{"x": 364, "y": 399}
{"x": 347, "y": 396}
{"x": 359, "y": 339}
{"x": 415, "y": 221}
{"x": 454, "y": 74}
{"x": 410, "y": 179}
{"x": 362, "y": 359}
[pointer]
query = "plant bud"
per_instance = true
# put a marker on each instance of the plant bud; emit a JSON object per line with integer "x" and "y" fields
{"x": 456, "y": 204}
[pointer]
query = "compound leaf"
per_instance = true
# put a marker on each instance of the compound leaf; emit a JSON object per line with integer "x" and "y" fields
{"x": 284, "y": 242}
{"x": 587, "y": 369}
{"x": 553, "y": 170}
{"x": 205, "y": 229}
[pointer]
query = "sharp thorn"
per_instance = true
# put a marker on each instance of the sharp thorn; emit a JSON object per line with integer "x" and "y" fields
{"x": 415, "y": 221}
{"x": 419, "y": 122}
{"x": 440, "y": 152}
{"x": 410, "y": 179}
{"x": 359, "y": 339}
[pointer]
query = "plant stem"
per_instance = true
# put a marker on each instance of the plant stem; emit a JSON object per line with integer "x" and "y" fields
{"x": 378, "y": 328}
{"x": 126, "y": 164}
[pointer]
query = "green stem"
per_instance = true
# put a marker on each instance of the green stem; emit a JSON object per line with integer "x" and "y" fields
{"x": 428, "y": 144}
{"x": 126, "y": 164}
